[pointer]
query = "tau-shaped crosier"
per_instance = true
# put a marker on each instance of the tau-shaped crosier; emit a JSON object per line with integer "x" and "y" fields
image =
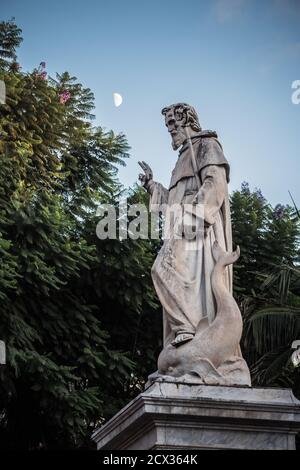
{"x": 192, "y": 275}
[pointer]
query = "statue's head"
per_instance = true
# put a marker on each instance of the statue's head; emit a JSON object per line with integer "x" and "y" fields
{"x": 181, "y": 120}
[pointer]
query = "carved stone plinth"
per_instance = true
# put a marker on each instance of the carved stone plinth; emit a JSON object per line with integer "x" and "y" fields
{"x": 176, "y": 415}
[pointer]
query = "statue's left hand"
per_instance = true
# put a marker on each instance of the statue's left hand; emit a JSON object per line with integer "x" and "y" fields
{"x": 147, "y": 176}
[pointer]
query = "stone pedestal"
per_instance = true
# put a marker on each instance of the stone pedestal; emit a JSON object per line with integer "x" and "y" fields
{"x": 176, "y": 415}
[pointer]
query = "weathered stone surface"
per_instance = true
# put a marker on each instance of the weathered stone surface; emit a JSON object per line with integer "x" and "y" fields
{"x": 192, "y": 273}
{"x": 175, "y": 415}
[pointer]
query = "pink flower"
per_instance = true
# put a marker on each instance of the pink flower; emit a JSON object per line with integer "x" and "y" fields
{"x": 41, "y": 72}
{"x": 64, "y": 96}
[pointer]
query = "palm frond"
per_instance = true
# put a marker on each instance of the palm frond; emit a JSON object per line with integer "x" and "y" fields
{"x": 274, "y": 327}
{"x": 271, "y": 369}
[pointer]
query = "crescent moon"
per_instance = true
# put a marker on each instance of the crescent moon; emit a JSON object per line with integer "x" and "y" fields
{"x": 117, "y": 99}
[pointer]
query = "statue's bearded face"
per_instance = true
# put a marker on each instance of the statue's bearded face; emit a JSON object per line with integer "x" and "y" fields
{"x": 176, "y": 129}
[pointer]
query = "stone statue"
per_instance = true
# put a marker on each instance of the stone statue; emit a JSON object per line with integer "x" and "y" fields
{"x": 192, "y": 275}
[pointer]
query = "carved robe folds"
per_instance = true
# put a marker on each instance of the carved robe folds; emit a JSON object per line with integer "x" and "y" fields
{"x": 183, "y": 268}
{"x": 193, "y": 275}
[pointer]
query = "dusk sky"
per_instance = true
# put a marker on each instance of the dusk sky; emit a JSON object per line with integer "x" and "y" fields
{"x": 233, "y": 60}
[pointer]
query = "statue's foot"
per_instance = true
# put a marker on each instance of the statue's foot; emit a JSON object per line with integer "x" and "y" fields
{"x": 182, "y": 338}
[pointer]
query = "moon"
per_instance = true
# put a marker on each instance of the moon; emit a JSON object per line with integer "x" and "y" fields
{"x": 117, "y": 99}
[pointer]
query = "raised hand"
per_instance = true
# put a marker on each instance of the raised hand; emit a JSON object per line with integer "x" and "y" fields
{"x": 147, "y": 176}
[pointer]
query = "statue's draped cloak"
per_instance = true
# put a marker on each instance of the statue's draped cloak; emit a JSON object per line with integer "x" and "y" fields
{"x": 182, "y": 270}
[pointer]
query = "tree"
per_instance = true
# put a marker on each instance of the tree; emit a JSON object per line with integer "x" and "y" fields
{"x": 61, "y": 287}
{"x": 10, "y": 39}
{"x": 267, "y": 281}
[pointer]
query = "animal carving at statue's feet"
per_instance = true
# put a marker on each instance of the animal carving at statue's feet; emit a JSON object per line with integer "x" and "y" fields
{"x": 211, "y": 357}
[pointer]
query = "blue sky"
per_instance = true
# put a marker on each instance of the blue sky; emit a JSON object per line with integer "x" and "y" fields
{"x": 233, "y": 60}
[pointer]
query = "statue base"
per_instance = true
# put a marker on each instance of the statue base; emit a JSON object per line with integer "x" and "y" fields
{"x": 178, "y": 415}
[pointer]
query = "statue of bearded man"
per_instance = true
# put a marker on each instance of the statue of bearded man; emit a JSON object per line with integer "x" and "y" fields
{"x": 182, "y": 271}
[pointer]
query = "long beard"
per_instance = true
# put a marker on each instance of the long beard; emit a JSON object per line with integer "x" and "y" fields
{"x": 177, "y": 142}
{"x": 174, "y": 146}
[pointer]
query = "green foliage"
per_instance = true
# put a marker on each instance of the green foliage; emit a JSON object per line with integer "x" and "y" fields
{"x": 62, "y": 290}
{"x": 267, "y": 286}
{"x": 10, "y": 39}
